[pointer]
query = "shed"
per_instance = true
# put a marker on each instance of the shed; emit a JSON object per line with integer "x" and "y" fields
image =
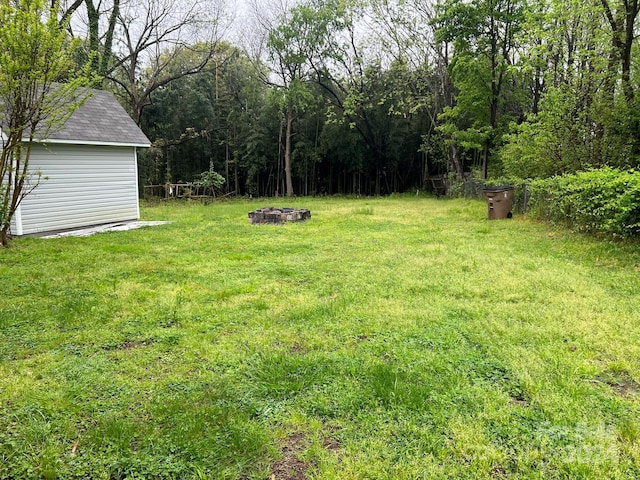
{"x": 89, "y": 170}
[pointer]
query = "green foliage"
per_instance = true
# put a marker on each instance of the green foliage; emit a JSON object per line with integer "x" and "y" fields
{"x": 581, "y": 120}
{"x": 34, "y": 55}
{"x": 220, "y": 115}
{"x": 597, "y": 201}
{"x": 514, "y": 88}
{"x": 300, "y": 37}
{"x": 210, "y": 178}
{"x": 483, "y": 35}
{"x": 566, "y": 137}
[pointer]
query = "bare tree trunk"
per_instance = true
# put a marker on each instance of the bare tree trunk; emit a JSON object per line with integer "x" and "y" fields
{"x": 4, "y": 237}
{"x": 622, "y": 22}
{"x": 287, "y": 151}
{"x": 235, "y": 172}
{"x": 226, "y": 156}
{"x": 455, "y": 160}
{"x": 485, "y": 158}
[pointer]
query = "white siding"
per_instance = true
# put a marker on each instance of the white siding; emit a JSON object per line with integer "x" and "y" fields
{"x": 85, "y": 185}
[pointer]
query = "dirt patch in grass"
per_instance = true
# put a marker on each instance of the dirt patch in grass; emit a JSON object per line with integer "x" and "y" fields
{"x": 498, "y": 471}
{"x": 297, "y": 348}
{"x": 331, "y": 444}
{"x": 621, "y": 382}
{"x": 127, "y": 345}
{"x": 290, "y": 467}
{"x": 519, "y": 400}
{"x": 131, "y": 344}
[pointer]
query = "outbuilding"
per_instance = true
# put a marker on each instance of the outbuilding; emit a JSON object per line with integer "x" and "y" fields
{"x": 89, "y": 173}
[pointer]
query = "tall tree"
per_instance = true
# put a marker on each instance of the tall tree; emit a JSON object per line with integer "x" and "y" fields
{"x": 585, "y": 117}
{"x": 483, "y": 35}
{"x": 135, "y": 44}
{"x": 97, "y": 21}
{"x": 153, "y": 36}
{"x": 621, "y": 17}
{"x": 290, "y": 44}
{"x": 216, "y": 116}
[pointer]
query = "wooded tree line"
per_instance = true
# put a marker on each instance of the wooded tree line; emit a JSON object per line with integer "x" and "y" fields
{"x": 370, "y": 97}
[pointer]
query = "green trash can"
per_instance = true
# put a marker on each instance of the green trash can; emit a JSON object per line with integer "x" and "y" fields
{"x": 499, "y": 202}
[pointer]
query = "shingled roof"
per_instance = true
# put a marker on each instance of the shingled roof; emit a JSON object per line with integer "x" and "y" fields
{"x": 100, "y": 121}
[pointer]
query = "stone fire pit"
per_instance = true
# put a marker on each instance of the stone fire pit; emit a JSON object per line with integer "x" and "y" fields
{"x": 278, "y": 215}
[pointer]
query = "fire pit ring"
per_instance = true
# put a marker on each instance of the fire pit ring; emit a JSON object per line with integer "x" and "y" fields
{"x": 278, "y": 215}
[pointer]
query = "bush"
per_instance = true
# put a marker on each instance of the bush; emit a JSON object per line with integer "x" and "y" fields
{"x": 210, "y": 178}
{"x": 596, "y": 201}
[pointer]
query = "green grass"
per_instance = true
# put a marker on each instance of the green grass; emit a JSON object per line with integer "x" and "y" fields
{"x": 395, "y": 338}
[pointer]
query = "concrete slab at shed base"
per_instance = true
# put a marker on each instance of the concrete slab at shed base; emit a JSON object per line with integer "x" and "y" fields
{"x": 108, "y": 227}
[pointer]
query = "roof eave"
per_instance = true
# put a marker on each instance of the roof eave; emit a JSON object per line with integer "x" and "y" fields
{"x": 92, "y": 142}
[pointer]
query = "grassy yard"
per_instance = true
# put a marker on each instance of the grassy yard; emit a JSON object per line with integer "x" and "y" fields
{"x": 395, "y": 338}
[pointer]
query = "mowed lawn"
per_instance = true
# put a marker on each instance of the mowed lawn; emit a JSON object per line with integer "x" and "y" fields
{"x": 394, "y": 338}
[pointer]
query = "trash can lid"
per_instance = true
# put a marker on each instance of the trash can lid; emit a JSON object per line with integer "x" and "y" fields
{"x": 497, "y": 189}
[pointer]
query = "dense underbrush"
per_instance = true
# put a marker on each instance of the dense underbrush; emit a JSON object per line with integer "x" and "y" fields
{"x": 604, "y": 201}
{"x": 596, "y": 201}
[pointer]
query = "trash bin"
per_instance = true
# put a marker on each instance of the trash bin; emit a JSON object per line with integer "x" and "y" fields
{"x": 499, "y": 201}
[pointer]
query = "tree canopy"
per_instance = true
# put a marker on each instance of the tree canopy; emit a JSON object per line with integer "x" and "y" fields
{"x": 348, "y": 96}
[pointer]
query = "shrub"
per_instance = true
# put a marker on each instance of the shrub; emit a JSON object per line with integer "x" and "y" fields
{"x": 596, "y": 201}
{"x": 210, "y": 178}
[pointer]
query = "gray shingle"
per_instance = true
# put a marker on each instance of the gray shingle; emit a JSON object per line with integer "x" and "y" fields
{"x": 101, "y": 120}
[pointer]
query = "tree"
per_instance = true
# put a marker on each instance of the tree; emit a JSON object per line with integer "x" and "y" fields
{"x": 181, "y": 122}
{"x": 33, "y": 56}
{"x": 100, "y": 47}
{"x": 289, "y": 45}
{"x": 484, "y": 37}
{"x": 135, "y": 45}
{"x": 153, "y": 37}
{"x": 217, "y": 115}
{"x": 587, "y": 115}
{"x": 622, "y": 21}
{"x": 99, "y": 33}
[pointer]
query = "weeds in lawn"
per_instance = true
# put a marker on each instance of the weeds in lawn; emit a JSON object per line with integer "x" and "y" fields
{"x": 391, "y": 338}
{"x": 363, "y": 211}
